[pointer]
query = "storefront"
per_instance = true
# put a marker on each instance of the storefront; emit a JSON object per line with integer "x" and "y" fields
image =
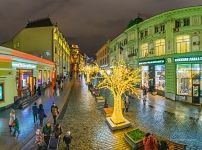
{"x": 189, "y": 79}
{"x": 25, "y": 81}
{"x": 153, "y": 75}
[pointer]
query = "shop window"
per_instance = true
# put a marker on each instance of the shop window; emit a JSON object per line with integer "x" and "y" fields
{"x": 1, "y": 91}
{"x": 184, "y": 79}
{"x": 160, "y": 47}
{"x": 144, "y": 50}
{"x": 160, "y": 77}
{"x": 183, "y": 44}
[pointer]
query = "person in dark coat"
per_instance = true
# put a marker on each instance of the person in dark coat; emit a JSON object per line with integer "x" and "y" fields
{"x": 55, "y": 112}
{"x": 47, "y": 131}
{"x": 67, "y": 139}
{"x": 39, "y": 90}
{"x": 58, "y": 131}
{"x": 35, "y": 111}
{"x": 41, "y": 114}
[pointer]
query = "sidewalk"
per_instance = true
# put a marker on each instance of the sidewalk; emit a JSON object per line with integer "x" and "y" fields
{"x": 27, "y": 126}
{"x": 176, "y": 107}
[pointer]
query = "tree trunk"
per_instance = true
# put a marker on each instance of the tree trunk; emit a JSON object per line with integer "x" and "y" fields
{"x": 87, "y": 78}
{"x": 117, "y": 116}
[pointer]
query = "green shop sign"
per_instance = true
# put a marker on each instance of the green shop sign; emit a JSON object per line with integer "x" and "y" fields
{"x": 160, "y": 61}
{"x": 185, "y": 59}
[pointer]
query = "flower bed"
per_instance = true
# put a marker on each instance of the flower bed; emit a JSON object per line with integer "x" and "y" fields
{"x": 134, "y": 138}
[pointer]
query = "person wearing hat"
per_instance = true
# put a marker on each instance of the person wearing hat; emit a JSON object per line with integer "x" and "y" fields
{"x": 67, "y": 139}
{"x": 39, "y": 138}
{"x": 47, "y": 130}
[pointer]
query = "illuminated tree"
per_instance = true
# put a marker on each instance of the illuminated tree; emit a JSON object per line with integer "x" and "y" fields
{"x": 89, "y": 70}
{"x": 120, "y": 80}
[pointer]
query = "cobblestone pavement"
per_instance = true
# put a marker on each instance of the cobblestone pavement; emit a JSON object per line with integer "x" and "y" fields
{"x": 87, "y": 123}
{"x": 27, "y": 126}
{"x": 176, "y": 121}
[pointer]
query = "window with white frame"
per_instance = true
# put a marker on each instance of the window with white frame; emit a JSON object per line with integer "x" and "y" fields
{"x": 144, "y": 50}
{"x": 160, "y": 47}
{"x": 183, "y": 43}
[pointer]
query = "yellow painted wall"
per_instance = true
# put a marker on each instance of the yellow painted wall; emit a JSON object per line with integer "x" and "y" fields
{"x": 33, "y": 40}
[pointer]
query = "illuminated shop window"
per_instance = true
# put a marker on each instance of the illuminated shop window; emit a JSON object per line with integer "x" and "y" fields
{"x": 184, "y": 79}
{"x": 160, "y": 77}
{"x": 144, "y": 50}
{"x": 183, "y": 44}
{"x": 160, "y": 47}
{"x": 145, "y": 76}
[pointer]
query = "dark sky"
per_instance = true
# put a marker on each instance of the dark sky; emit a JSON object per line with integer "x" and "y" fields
{"x": 86, "y": 22}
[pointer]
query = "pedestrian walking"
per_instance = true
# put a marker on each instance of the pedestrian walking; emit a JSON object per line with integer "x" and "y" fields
{"x": 127, "y": 103}
{"x": 148, "y": 142}
{"x": 58, "y": 90}
{"x": 35, "y": 111}
{"x": 47, "y": 131}
{"x": 55, "y": 112}
{"x": 57, "y": 131}
{"x": 67, "y": 139}
{"x": 16, "y": 127}
{"x": 144, "y": 93}
{"x": 39, "y": 90}
{"x": 41, "y": 114}
{"x": 39, "y": 139}
{"x": 11, "y": 119}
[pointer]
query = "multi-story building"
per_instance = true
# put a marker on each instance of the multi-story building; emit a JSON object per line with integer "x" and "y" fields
{"x": 102, "y": 55}
{"x": 21, "y": 74}
{"x": 43, "y": 39}
{"x": 78, "y": 59}
{"x": 168, "y": 49}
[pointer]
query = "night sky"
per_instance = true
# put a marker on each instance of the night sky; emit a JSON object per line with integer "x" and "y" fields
{"x": 88, "y": 23}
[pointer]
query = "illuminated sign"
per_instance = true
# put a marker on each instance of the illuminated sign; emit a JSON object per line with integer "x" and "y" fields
{"x": 23, "y": 65}
{"x": 161, "y": 61}
{"x": 185, "y": 59}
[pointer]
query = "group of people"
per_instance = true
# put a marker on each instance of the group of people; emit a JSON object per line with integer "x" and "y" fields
{"x": 14, "y": 123}
{"x": 150, "y": 142}
{"x": 43, "y": 137}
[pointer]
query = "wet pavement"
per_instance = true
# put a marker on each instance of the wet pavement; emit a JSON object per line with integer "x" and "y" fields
{"x": 27, "y": 126}
{"x": 87, "y": 123}
{"x": 176, "y": 121}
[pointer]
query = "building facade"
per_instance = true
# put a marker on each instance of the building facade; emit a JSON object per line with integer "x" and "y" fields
{"x": 102, "y": 55}
{"x": 21, "y": 74}
{"x": 43, "y": 39}
{"x": 78, "y": 59}
{"x": 168, "y": 49}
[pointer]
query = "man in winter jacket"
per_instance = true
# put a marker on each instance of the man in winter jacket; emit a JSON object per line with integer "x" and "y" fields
{"x": 35, "y": 111}
{"x": 47, "y": 131}
{"x": 55, "y": 112}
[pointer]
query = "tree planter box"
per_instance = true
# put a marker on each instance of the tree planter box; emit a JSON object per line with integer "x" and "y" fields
{"x": 135, "y": 139}
{"x": 108, "y": 111}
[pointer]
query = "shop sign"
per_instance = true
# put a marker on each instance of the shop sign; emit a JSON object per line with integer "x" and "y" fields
{"x": 160, "y": 61}
{"x": 23, "y": 65}
{"x": 185, "y": 59}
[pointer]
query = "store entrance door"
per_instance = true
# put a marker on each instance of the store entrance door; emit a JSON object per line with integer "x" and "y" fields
{"x": 196, "y": 91}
